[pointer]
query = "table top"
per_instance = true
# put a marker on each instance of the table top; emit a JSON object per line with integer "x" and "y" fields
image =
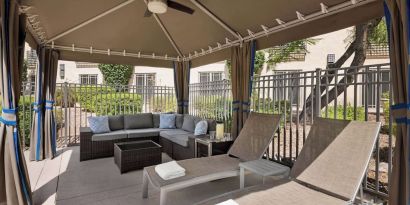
{"x": 264, "y": 167}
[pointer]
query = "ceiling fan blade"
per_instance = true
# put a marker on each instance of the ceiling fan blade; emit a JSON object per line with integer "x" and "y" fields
{"x": 147, "y": 13}
{"x": 180, "y": 7}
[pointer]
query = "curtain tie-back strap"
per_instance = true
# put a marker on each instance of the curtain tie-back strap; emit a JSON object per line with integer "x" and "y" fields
{"x": 8, "y": 116}
{"x": 246, "y": 103}
{"x": 37, "y": 106}
{"x": 401, "y": 113}
{"x": 49, "y": 104}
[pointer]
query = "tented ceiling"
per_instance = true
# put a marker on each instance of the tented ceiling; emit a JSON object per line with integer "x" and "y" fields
{"x": 116, "y": 31}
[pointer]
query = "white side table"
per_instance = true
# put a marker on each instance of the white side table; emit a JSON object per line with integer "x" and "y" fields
{"x": 264, "y": 168}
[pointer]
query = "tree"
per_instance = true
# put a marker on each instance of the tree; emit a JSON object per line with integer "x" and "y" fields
{"x": 278, "y": 54}
{"x": 115, "y": 75}
{"x": 372, "y": 31}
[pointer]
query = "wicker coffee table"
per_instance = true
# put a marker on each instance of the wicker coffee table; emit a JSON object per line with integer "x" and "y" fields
{"x": 136, "y": 155}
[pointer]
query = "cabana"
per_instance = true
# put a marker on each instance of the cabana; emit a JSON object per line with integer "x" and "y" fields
{"x": 179, "y": 35}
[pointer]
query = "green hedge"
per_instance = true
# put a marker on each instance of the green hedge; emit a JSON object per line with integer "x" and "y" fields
{"x": 350, "y": 112}
{"x": 112, "y": 104}
{"x": 163, "y": 104}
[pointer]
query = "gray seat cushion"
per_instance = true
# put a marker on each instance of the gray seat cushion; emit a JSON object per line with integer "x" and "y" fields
{"x": 148, "y": 132}
{"x": 155, "y": 120}
{"x": 177, "y": 136}
{"x": 179, "y": 120}
{"x": 113, "y": 135}
{"x": 116, "y": 122}
{"x": 138, "y": 121}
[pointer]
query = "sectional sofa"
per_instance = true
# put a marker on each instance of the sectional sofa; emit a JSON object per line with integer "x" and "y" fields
{"x": 178, "y": 143}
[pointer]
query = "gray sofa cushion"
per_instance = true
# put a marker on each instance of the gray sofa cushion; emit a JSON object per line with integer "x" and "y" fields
{"x": 116, "y": 122}
{"x": 148, "y": 132}
{"x": 155, "y": 120}
{"x": 189, "y": 123}
{"x": 138, "y": 121}
{"x": 211, "y": 125}
{"x": 179, "y": 120}
{"x": 177, "y": 136}
{"x": 113, "y": 135}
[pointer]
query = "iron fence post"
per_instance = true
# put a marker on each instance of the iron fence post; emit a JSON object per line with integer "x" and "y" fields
{"x": 317, "y": 93}
{"x": 65, "y": 103}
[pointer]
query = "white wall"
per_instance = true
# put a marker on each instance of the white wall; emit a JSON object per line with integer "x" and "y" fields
{"x": 163, "y": 77}
{"x": 215, "y": 67}
{"x": 72, "y": 73}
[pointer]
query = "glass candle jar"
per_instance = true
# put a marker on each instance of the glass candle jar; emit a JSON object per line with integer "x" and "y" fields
{"x": 219, "y": 130}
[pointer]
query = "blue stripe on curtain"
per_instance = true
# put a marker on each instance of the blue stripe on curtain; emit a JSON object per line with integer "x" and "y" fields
{"x": 38, "y": 111}
{"x": 252, "y": 67}
{"x": 17, "y": 150}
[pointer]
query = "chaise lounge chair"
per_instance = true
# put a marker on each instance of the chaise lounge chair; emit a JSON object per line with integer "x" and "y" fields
{"x": 329, "y": 169}
{"x": 251, "y": 144}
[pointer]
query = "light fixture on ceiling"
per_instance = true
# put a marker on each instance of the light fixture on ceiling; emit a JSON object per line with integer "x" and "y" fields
{"x": 157, "y": 6}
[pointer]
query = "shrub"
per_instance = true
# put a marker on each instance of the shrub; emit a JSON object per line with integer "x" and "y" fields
{"x": 268, "y": 106}
{"x": 108, "y": 104}
{"x": 71, "y": 97}
{"x": 163, "y": 103}
{"x": 116, "y": 74}
{"x": 350, "y": 112}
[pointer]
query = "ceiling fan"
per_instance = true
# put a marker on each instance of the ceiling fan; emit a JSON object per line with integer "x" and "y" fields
{"x": 161, "y": 6}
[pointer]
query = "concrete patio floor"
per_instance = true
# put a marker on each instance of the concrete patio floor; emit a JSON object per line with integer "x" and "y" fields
{"x": 66, "y": 180}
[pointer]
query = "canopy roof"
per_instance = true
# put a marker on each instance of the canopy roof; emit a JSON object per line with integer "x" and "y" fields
{"x": 116, "y": 31}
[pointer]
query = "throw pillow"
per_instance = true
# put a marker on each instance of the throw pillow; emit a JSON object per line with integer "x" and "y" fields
{"x": 201, "y": 127}
{"x": 99, "y": 124}
{"x": 189, "y": 124}
{"x": 167, "y": 121}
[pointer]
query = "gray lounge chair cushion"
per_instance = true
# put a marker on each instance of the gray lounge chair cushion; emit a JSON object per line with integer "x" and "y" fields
{"x": 147, "y": 132}
{"x": 155, "y": 120}
{"x": 197, "y": 167}
{"x": 179, "y": 120}
{"x": 177, "y": 136}
{"x": 335, "y": 155}
{"x": 284, "y": 192}
{"x": 189, "y": 123}
{"x": 116, "y": 122}
{"x": 255, "y": 136}
{"x": 138, "y": 121}
{"x": 113, "y": 135}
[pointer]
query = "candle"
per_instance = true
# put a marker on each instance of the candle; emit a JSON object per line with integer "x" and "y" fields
{"x": 219, "y": 130}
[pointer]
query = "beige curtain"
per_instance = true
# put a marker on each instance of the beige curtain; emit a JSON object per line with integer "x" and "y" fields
{"x": 37, "y": 142}
{"x": 50, "y": 126}
{"x": 14, "y": 179}
{"x": 242, "y": 62}
{"x": 397, "y": 20}
{"x": 181, "y": 81}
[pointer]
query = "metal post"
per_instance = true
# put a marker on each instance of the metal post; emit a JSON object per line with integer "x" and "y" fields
{"x": 317, "y": 93}
{"x": 65, "y": 103}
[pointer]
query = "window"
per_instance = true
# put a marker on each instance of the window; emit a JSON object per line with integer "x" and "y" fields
{"x": 62, "y": 71}
{"x": 88, "y": 79}
{"x": 144, "y": 80}
{"x": 210, "y": 76}
{"x": 86, "y": 65}
{"x": 377, "y": 50}
{"x": 331, "y": 58}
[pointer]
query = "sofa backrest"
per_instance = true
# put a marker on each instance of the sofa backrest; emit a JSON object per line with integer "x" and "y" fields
{"x": 116, "y": 122}
{"x": 138, "y": 121}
